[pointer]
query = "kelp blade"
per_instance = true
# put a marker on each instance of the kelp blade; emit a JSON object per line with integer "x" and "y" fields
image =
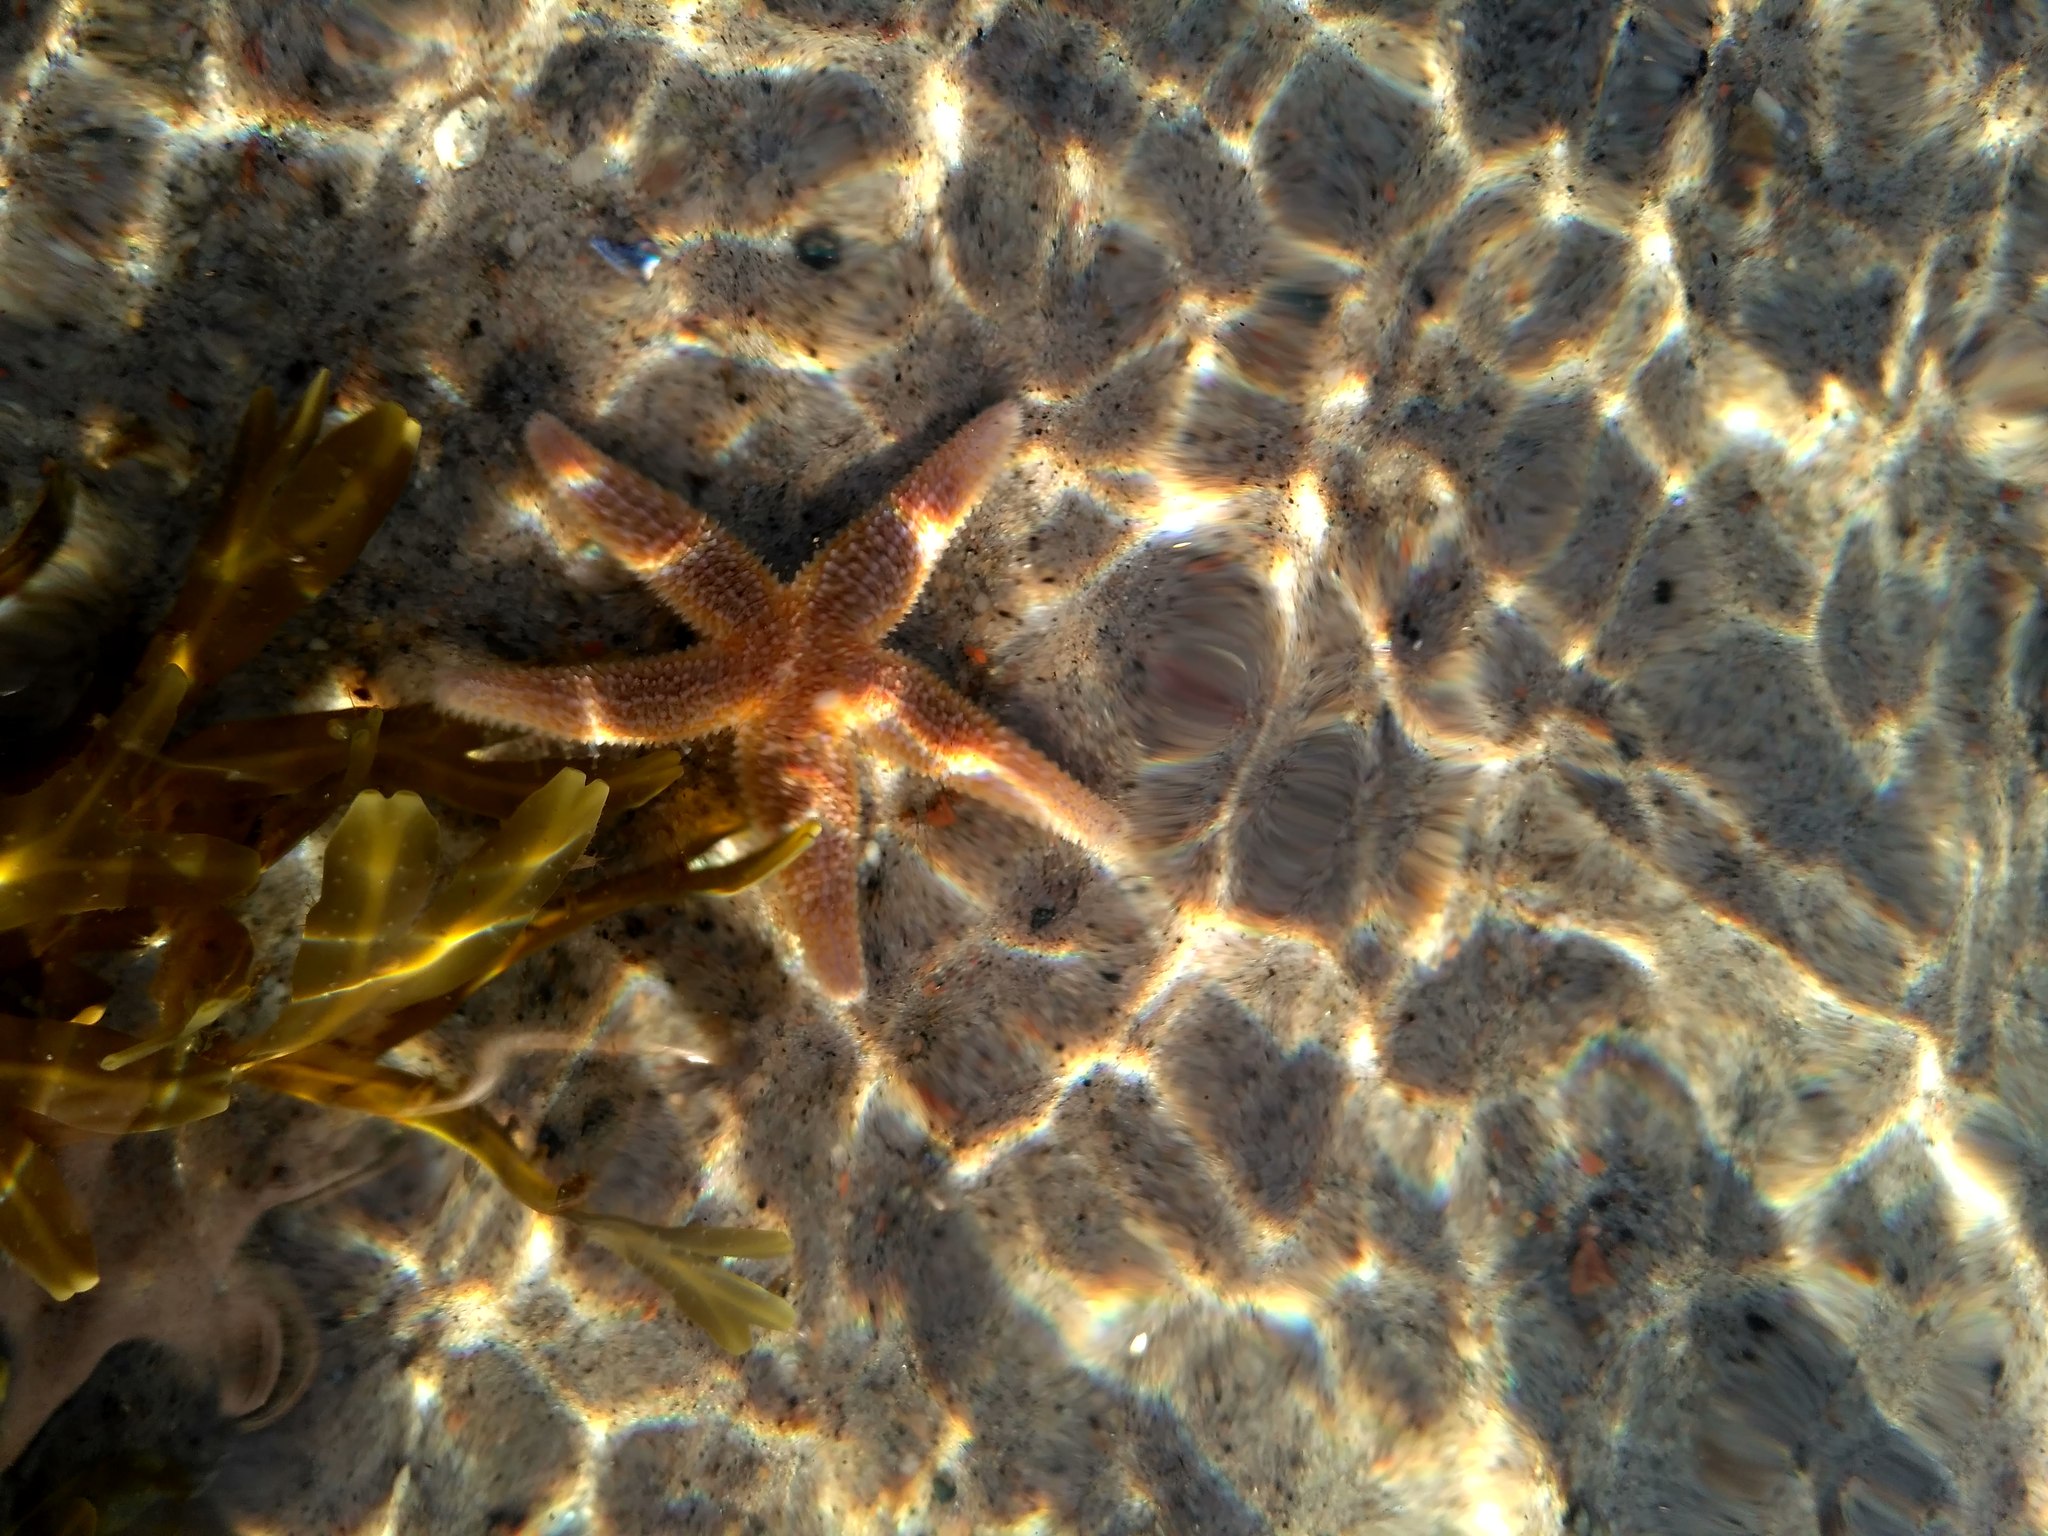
{"x": 321, "y": 1074}
{"x": 204, "y": 966}
{"x": 636, "y": 781}
{"x": 379, "y": 872}
{"x": 286, "y": 823}
{"x": 55, "y": 1070}
{"x": 282, "y": 753}
{"x": 725, "y": 1305}
{"x": 68, "y": 846}
{"x": 472, "y": 1131}
{"x": 278, "y": 811}
{"x": 40, "y": 1226}
{"x": 498, "y": 889}
{"x": 108, "y": 767}
{"x": 202, "y": 970}
{"x": 109, "y": 867}
{"x": 708, "y": 1242}
{"x": 295, "y": 522}
{"x": 682, "y": 1260}
{"x": 459, "y": 935}
{"x": 264, "y": 454}
{"x": 664, "y": 883}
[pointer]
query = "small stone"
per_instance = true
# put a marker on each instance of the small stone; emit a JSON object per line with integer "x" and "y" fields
{"x": 590, "y": 168}
{"x": 459, "y": 137}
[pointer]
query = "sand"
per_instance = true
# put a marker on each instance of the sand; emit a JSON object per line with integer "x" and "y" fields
{"x": 1536, "y": 513}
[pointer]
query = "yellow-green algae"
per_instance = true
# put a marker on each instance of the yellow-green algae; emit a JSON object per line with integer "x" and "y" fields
{"x": 128, "y": 844}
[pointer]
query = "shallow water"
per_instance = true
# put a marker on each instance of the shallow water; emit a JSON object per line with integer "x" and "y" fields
{"x": 1536, "y": 514}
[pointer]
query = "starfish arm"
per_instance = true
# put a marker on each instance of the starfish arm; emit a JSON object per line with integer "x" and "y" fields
{"x": 689, "y": 562}
{"x": 819, "y": 900}
{"x": 789, "y": 773}
{"x": 933, "y": 729}
{"x": 868, "y": 578}
{"x": 640, "y": 700}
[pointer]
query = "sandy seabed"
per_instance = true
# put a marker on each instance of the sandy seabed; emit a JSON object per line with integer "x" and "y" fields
{"x": 1537, "y": 513}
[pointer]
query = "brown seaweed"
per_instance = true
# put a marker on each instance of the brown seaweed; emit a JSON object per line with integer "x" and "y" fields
{"x": 658, "y": 884}
{"x": 380, "y": 939}
{"x": 299, "y": 510}
{"x": 68, "y": 844}
{"x": 417, "y": 749}
{"x": 682, "y": 1260}
{"x": 58, "y": 1071}
{"x": 132, "y": 846}
{"x": 40, "y": 1226}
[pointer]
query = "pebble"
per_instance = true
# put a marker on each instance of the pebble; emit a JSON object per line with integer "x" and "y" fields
{"x": 459, "y": 137}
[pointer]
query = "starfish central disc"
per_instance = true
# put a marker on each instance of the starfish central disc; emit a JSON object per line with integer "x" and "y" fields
{"x": 797, "y": 671}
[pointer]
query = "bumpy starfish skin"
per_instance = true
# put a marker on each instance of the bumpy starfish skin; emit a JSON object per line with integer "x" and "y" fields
{"x": 796, "y": 672}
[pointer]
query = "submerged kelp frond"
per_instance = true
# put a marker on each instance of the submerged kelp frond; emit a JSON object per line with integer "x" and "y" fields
{"x": 658, "y": 885}
{"x": 203, "y": 968}
{"x": 375, "y": 938}
{"x": 57, "y": 1071}
{"x": 63, "y": 583}
{"x": 418, "y": 748}
{"x": 297, "y": 513}
{"x": 40, "y": 1225}
{"x": 683, "y": 1262}
{"x": 92, "y": 862}
{"x": 374, "y": 943}
{"x": 130, "y": 846}
{"x": 381, "y": 943}
{"x": 68, "y": 845}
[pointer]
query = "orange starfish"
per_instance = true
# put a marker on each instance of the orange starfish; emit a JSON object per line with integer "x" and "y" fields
{"x": 796, "y": 672}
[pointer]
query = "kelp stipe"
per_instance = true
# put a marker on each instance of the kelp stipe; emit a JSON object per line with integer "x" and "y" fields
{"x": 666, "y": 882}
{"x": 417, "y": 748}
{"x": 40, "y": 1225}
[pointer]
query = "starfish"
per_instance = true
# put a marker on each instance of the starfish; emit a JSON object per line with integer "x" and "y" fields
{"x": 796, "y": 672}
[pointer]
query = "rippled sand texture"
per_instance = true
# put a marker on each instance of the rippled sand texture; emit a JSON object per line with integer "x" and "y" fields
{"x": 1536, "y": 511}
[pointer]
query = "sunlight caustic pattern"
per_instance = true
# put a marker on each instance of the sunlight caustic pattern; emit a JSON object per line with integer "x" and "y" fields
{"x": 1537, "y": 517}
